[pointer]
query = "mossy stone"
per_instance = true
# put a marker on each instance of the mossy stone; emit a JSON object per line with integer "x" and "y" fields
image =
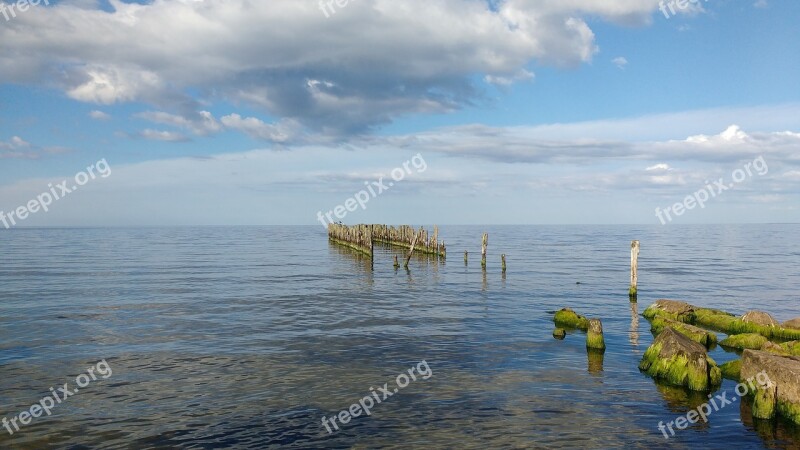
{"x": 732, "y": 370}
{"x": 752, "y": 341}
{"x": 568, "y": 318}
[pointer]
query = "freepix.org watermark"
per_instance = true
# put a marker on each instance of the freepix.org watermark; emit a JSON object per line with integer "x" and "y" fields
{"x": 718, "y": 402}
{"x": 44, "y": 200}
{"x": 365, "y": 405}
{"x": 714, "y": 190}
{"x": 668, "y": 7}
{"x": 327, "y": 6}
{"x": 46, "y": 405}
{"x": 9, "y": 11}
{"x": 374, "y": 189}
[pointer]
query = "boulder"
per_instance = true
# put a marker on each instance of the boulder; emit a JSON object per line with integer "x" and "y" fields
{"x": 707, "y": 338}
{"x": 731, "y": 370}
{"x": 752, "y": 341}
{"x": 559, "y": 333}
{"x": 671, "y": 309}
{"x": 770, "y": 371}
{"x": 793, "y": 324}
{"x": 680, "y": 361}
{"x": 759, "y": 318}
{"x": 568, "y": 318}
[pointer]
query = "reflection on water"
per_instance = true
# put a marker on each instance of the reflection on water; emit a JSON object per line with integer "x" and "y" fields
{"x": 247, "y": 337}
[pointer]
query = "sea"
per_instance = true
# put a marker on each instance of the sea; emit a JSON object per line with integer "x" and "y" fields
{"x": 255, "y": 337}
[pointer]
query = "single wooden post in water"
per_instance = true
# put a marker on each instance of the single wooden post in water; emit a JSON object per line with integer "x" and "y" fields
{"x": 594, "y": 335}
{"x": 633, "y": 292}
{"x": 503, "y": 259}
{"x": 411, "y": 251}
{"x": 396, "y": 262}
{"x": 483, "y": 250}
{"x": 466, "y": 257}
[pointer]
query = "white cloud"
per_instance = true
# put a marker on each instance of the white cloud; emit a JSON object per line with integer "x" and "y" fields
{"x": 258, "y": 129}
{"x": 236, "y": 51}
{"x": 200, "y": 123}
{"x": 99, "y": 115}
{"x": 620, "y": 62}
{"x": 165, "y": 136}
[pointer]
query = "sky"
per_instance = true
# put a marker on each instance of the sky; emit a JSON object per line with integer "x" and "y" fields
{"x": 261, "y": 112}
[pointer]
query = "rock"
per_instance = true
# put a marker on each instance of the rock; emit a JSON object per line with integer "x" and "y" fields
{"x": 559, "y": 333}
{"x": 731, "y": 370}
{"x": 752, "y": 341}
{"x": 568, "y": 318}
{"x": 680, "y": 361}
{"x": 594, "y": 335}
{"x": 775, "y": 349}
{"x": 765, "y": 402}
{"x": 783, "y": 373}
{"x": 707, "y": 338}
{"x": 793, "y": 324}
{"x": 671, "y": 309}
{"x": 759, "y": 318}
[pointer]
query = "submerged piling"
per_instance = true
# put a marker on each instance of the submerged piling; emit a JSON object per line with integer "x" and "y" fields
{"x": 403, "y": 236}
{"x": 358, "y": 237}
{"x": 503, "y": 261}
{"x": 633, "y": 292}
{"x": 485, "y": 243}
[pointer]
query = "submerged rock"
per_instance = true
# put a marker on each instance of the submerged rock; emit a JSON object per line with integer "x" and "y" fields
{"x": 759, "y": 318}
{"x": 568, "y": 318}
{"x": 670, "y": 309}
{"x": 794, "y": 324}
{"x": 559, "y": 333}
{"x": 680, "y": 361}
{"x": 594, "y": 335}
{"x": 752, "y": 341}
{"x": 768, "y": 371}
{"x": 731, "y": 370}
{"x": 707, "y": 338}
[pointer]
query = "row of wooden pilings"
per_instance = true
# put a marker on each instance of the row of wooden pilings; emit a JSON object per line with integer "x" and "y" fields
{"x": 362, "y": 238}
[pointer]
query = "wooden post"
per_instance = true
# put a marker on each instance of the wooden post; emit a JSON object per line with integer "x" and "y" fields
{"x": 411, "y": 251}
{"x": 396, "y": 263}
{"x": 483, "y": 250}
{"x": 503, "y": 259}
{"x": 466, "y": 257}
{"x": 633, "y": 292}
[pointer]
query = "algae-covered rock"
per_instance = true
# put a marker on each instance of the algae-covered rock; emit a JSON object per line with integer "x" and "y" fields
{"x": 775, "y": 349}
{"x": 559, "y": 333}
{"x": 793, "y": 324}
{"x": 759, "y": 318}
{"x": 707, "y": 338}
{"x": 731, "y": 370}
{"x": 793, "y": 347}
{"x": 568, "y": 318}
{"x": 730, "y": 324}
{"x": 781, "y": 372}
{"x": 670, "y": 309}
{"x": 765, "y": 402}
{"x": 752, "y": 341}
{"x": 594, "y": 335}
{"x": 680, "y": 361}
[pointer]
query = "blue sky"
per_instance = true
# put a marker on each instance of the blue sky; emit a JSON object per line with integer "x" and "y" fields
{"x": 549, "y": 111}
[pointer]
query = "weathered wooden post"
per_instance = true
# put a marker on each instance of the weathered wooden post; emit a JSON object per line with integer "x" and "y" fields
{"x": 633, "y": 292}
{"x": 466, "y": 257}
{"x": 396, "y": 262}
{"x": 503, "y": 260}
{"x": 594, "y": 335}
{"x": 411, "y": 251}
{"x": 483, "y": 250}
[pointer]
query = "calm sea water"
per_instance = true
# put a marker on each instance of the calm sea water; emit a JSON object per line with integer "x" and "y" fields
{"x": 247, "y": 337}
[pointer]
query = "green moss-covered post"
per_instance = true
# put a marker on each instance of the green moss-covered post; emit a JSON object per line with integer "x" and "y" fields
{"x": 503, "y": 260}
{"x": 594, "y": 335}
{"x": 483, "y": 250}
{"x": 633, "y": 292}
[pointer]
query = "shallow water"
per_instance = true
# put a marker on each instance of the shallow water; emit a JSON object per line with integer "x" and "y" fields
{"x": 246, "y": 337}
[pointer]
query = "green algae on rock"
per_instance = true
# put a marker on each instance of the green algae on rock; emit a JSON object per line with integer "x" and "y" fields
{"x": 670, "y": 309}
{"x": 594, "y": 335}
{"x": 777, "y": 371}
{"x": 752, "y": 341}
{"x": 568, "y": 318}
{"x": 680, "y": 361}
{"x": 707, "y": 338}
{"x": 731, "y": 370}
{"x": 559, "y": 333}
